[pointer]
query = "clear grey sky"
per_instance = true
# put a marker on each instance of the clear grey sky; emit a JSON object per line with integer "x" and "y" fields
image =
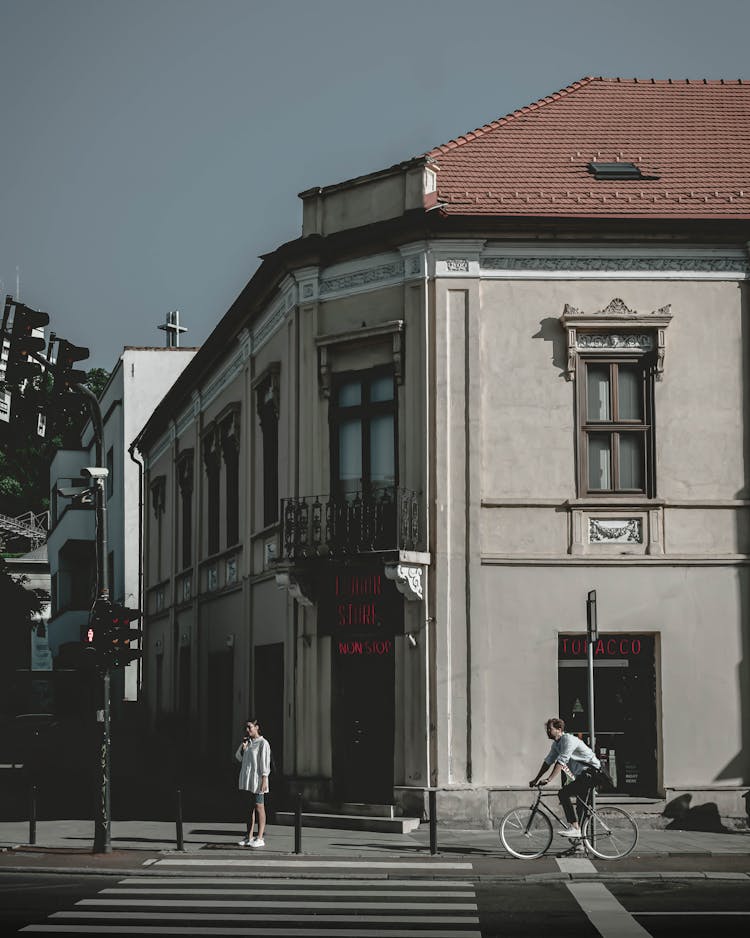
{"x": 152, "y": 149}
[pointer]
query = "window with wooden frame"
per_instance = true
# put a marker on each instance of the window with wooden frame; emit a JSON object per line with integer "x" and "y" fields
{"x": 185, "y": 483}
{"x": 267, "y": 405}
{"x": 230, "y": 448}
{"x": 363, "y": 432}
{"x": 616, "y": 425}
{"x": 615, "y": 355}
{"x": 212, "y": 463}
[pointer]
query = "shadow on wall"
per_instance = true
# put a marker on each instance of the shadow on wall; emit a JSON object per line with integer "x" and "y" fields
{"x": 551, "y": 331}
{"x": 702, "y": 817}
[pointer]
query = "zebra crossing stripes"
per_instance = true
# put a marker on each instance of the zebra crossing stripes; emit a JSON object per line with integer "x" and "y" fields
{"x": 273, "y": 908}
{"x": 250, "y": 863}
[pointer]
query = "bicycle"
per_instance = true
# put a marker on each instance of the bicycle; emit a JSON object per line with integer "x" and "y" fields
{"x": 608, "y": 832}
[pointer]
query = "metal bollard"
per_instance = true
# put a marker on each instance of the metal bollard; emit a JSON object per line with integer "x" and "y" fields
{"x": 180, "y": 840}
{"x": 433, "y": 821}
{"x": 32, "y": 815}
{"x": 298, "y": 823}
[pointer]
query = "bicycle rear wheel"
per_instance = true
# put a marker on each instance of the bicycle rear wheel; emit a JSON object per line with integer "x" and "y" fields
{"x": 610, "y": 833}
{"x": 524, "y": 836}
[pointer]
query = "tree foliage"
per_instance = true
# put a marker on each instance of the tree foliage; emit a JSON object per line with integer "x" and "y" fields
{"x": 18, "y": 603}
{"x": 25, "y": 456}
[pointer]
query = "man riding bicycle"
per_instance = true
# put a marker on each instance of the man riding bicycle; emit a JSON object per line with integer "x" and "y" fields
{"x": 571, "y": 756}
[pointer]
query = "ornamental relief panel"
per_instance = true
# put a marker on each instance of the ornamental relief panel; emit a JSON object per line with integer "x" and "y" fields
{"x": 572, "y": 262}
{"x": 612, "y": 532}
{"x": 615, "y": 340}
{"x": 617, "y": 327}
{"x": 361, "y": 278}
{"x": 615, "y": 531}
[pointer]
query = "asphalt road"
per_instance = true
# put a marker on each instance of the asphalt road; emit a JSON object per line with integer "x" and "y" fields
{"x": 149, "y": 903}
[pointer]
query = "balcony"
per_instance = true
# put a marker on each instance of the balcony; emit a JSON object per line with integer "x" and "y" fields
{"x": 337, "y": 527}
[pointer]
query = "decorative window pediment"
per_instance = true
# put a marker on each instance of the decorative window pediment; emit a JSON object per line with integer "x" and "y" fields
{"x": 159, "y": 495}
{"x": 211, "y": 446}
{"x": 267, "y": 391}
{"x": 229, "y": 430}
{"x": 185, "y": 463}
{"x": 390, "y": 334}
{"x": 615, "y": 328}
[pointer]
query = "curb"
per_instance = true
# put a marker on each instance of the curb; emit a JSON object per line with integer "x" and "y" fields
{"x": 480, "y": 878}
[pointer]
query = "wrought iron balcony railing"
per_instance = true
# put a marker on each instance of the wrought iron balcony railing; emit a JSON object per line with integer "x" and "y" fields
{"x": 348, "y": 525}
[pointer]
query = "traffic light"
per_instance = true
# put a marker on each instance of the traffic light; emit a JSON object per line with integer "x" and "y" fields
{"x": 95, "y": 633}
{"x": 65, "y": 374}
{"x": 24, "y": 340}
{"x": 122, "y": 634}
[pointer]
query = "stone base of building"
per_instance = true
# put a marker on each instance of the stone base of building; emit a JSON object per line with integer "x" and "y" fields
{"x": 477, "y": 808}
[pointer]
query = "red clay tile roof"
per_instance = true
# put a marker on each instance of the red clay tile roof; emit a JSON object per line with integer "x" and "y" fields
{"x": 693, "y": 135}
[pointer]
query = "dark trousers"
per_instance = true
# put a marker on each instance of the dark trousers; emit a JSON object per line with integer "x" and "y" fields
{"x": 579, "y": 788}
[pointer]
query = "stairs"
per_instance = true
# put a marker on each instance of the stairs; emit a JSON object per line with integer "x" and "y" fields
{"x": 378, "y": 818}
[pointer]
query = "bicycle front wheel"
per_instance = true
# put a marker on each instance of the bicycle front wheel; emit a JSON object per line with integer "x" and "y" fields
{"x": 610, "y": 833}
{"x": 525, "y": 836}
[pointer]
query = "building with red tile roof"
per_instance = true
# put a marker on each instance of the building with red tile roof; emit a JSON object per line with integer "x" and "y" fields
{"x": 690, "y": 140}
{"x": 483, "y": 382}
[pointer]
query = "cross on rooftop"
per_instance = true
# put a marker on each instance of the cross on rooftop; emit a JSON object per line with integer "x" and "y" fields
{"x": 173, "y": 328}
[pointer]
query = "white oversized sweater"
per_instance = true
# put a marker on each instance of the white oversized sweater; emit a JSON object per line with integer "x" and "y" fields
{"x": 256, "y": 762}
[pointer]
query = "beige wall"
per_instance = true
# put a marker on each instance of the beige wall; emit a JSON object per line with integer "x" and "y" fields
{"x": 487, "y": 430}
{"x": 506, "y": 581}
{"x": 698, "y": 615}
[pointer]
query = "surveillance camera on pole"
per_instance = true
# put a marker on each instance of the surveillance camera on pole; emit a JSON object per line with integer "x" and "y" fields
{"x": 94, "y": 472}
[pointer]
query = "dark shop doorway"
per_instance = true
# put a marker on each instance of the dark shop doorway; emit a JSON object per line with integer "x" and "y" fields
{"x": 624, "y": 705}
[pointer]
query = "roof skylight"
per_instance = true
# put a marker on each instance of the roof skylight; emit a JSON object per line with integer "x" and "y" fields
{"x": 621, "y": 170}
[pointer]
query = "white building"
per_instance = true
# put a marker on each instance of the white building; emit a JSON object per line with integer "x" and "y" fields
{"x": 139, "y": 380}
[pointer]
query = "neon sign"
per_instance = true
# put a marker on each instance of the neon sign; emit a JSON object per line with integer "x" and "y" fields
{"x": 361, "y": 609}
{"x": 611, "y": 646}
{"x": 366, "y": 646}
{"x": 356, "y": 595}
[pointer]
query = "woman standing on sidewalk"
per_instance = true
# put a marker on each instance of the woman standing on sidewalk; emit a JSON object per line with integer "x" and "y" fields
{"x": 254, "y": 753}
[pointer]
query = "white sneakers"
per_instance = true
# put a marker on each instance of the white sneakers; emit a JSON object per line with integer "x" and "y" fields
{"x": 245, "y": 842}
{"x": 572, "y": 832}
{"x": 255, "y": 842}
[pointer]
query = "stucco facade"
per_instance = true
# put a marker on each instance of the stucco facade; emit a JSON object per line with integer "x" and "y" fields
{"x": 139, "y": 379}
{"x": 405, "y": 623}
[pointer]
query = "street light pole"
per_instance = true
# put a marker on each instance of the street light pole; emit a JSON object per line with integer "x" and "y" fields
{"x": 592, "y": 633}
{"x": 102, "y": 820}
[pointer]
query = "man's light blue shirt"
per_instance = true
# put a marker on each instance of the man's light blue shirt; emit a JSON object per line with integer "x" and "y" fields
{"x": 572, "y": 752}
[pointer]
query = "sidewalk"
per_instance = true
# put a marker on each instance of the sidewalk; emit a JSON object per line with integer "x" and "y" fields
{"x": 67, "y": 846}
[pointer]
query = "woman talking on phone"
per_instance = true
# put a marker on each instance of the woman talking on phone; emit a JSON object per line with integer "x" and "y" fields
{"x": 254, "y": 752}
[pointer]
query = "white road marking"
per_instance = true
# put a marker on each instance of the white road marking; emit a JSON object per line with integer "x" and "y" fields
{"x": 605, "y": 913}
{"x": 575, "y": 865}
{"x": 100, "y": 929}
{"x": 259, "y": 890}
{"x": 263, "y": 881}
{"x": 707, "y": 912}
{"x": 317, "y": 917}
{"x": 318, "y": 864}
{"x": 286, "y": 907}
{"x": 271, "y": 904}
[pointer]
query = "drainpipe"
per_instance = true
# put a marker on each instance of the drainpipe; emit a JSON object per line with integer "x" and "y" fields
{"x": 131, "y": 450}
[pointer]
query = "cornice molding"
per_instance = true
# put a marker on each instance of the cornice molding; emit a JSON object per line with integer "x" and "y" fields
{"x": 642, "y": 266}
{"x": 616, "y": 326}
{"x": 366, "y": 278}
